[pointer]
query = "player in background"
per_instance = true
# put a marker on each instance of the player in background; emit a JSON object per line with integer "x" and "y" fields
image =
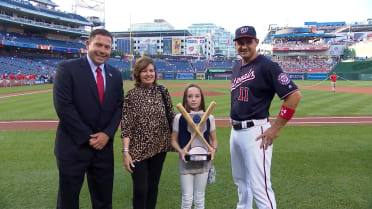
{"x": 193, "y": 174}
{"x": 254, "y": 82}
{"x": 333, "y": 78}
{"x": 11, "y": 79}
{"x": 3, "y": 77}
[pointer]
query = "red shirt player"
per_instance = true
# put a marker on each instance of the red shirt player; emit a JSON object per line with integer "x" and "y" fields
{"x": 3, "y": 77}
{"x": 333, "y": 78}
{"x": 24, "y": 77}
{"x": 32, "y": 79}
{"x": 11, "y": 79}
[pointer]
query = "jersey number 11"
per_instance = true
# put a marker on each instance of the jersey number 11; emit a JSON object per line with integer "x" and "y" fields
{"x": 243, "y": 96}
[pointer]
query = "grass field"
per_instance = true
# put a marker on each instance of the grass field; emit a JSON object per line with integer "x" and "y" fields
{"x": 313, "y": 167}
{"x": 313, "y": 103}
{"x": 24, "y": 88}
{"x": 322, "y": 167}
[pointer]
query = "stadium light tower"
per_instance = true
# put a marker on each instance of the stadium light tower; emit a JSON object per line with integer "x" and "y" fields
{"x": 94, "y": 10}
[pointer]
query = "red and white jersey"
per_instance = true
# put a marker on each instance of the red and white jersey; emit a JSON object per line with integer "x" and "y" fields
{"x": 333, "y": 77}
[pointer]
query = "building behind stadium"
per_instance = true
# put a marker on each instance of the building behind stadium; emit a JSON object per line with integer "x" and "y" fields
{"x": 160, "y": 38}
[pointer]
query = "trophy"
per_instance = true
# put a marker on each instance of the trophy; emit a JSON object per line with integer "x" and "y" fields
{"x": 196, "y": 123}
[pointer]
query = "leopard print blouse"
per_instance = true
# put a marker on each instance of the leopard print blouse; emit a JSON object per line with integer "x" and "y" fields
{"x": 145, "y": 123}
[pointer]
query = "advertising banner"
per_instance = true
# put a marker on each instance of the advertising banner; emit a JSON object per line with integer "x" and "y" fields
{"x": 144, "y": 45}
{"x": 152, "y": 49}
{"x": 296, "y": 76}
{"x": 300, "y": 48}
{"x": 200, "y": 76}
{"x": 222, "y": 75}
{"x": 185, "y": 76}
{"x": 365, "y": 77}
{"x": 336, "y": 50}
{"x": 169, "y": 76}
{"x": 317, "y": 76}
{"x": 217, "y": 70}
{"x": 19, "y": 44}
{"x": 167, "y": 45}
{"x": 63, "y": 49}
{"x": 192, "y": 46}
{"x": 159, "y": 76}
{"x": 44, "y": 47}
{"x": 176, "y": 46}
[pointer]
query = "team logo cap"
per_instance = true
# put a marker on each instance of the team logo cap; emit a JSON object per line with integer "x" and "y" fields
{"x": 245, "y": 32}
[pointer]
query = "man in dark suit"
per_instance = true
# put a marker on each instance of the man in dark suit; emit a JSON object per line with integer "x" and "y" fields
{"x": 88, "y": 98}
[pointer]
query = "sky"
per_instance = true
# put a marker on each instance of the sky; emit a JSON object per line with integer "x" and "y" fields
{"x": 229, "y": 14}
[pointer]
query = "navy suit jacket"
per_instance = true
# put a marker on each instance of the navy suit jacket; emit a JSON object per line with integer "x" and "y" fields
{"x": 80, "y": 112}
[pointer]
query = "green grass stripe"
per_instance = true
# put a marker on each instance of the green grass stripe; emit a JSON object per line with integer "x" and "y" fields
{"x": 314, "y": 102}
{"x": 17, "y": 89}
{"x": 33, "y": 106}
{"x": 313, "y": 167}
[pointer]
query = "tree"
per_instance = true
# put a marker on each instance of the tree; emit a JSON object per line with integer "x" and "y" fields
{"x": 201, "y": 50}
{"x": 159, "y": 55}
{"x": 117, "y": 53}
{"x": 136, "y": 53}
{"x": 147, "y": 54}
{"x": 349, "y": 53}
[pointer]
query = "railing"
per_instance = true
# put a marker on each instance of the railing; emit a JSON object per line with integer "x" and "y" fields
{"x": 42, "y": 24}
{"x": 298, "y": 47}
{"x": 27, "y": 7}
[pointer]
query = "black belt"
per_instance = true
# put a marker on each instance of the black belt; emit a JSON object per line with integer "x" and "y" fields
{"x": 237, "y": 125}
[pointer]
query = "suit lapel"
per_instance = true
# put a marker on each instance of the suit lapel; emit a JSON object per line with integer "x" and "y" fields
{"x": 91, "y": 81}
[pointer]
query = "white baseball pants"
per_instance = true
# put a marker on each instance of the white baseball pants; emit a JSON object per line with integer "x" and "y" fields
{"x": 193, "y": 188}
{"x": 251, "y": 167}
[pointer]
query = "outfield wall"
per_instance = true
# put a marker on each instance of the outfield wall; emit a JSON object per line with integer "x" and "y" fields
{"x": 225, "y": 76}
{"x": 356, "y": 70}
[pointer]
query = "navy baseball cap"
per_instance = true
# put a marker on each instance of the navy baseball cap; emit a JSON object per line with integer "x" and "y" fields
{"x": 245, "y": 32}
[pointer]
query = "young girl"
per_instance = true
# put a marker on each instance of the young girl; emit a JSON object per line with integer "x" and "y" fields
{"x": 193, "y": 174}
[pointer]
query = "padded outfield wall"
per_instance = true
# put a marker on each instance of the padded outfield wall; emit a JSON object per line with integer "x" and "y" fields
{"x": 356, "y": 70}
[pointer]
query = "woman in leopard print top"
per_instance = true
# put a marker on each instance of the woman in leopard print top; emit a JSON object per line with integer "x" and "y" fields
{"x": 145, "y": 133}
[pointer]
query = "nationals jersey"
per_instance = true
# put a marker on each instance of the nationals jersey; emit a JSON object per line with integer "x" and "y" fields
{"x": 253, "y": 87}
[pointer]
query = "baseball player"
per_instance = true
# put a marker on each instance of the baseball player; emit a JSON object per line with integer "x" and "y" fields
{"x": 11, "y": 79}
{"x": 254, "y": 82}
{"x": 3, "y": 77}
{"x": 333, "y": 78}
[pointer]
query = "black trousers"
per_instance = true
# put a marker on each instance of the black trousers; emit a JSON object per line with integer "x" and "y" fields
{"x": 100, "y": 175}
{"x": 146, "y": 176}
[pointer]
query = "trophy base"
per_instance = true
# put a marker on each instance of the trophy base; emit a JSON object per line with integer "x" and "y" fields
{"x": 198, "y": 157}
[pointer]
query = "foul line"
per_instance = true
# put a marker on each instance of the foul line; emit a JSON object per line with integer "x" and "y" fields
{"x": 293, "y": 121}
{"x": 24, "y": 93}
{"x": 313, "y": 117}
{"x": 29, "y": 121}
{"x": 332, "y": 122}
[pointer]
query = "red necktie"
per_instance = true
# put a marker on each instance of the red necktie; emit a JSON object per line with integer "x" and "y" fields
{"x": 100, "y": 85}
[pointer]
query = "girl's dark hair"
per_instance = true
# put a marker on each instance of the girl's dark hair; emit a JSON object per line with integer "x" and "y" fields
{"x": 141, "y": 64}
{"x": 184, "y": 100}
